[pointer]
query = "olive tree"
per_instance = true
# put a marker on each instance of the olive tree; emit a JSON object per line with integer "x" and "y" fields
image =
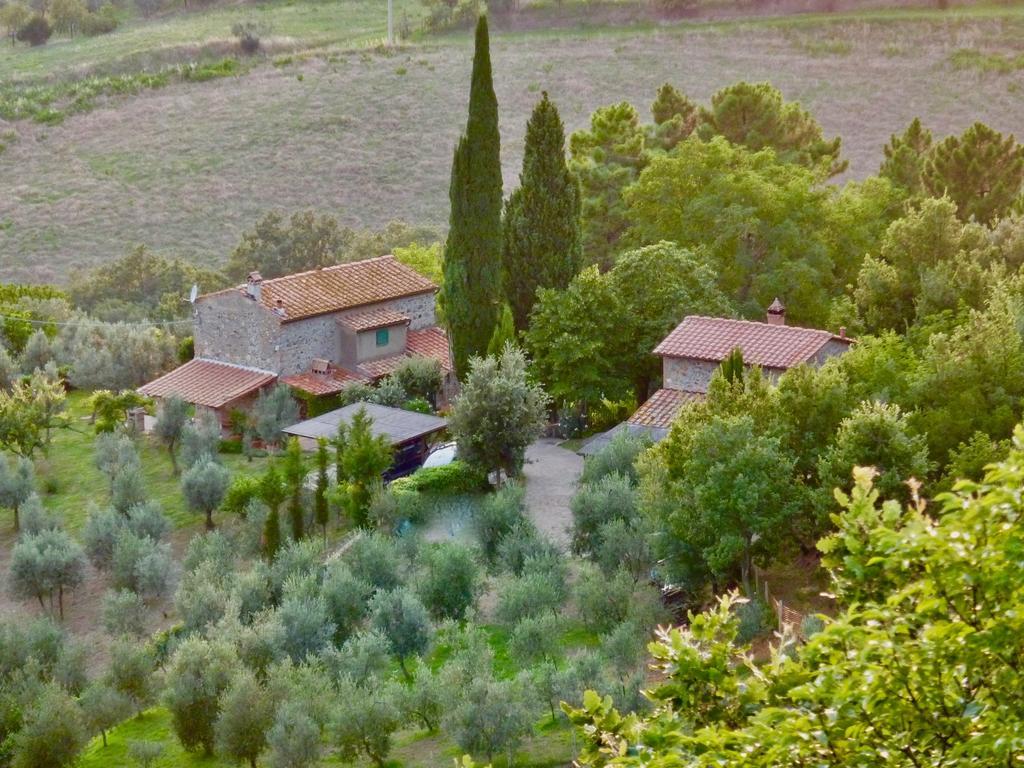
{"x": 199, "y": 673}
{"x": 17, "y": 483}
{"x": 499, "y": 413}
{"x": 204, "y": 486}
{"x": 171, "y": 420}
{"x": 246, "y": 715}
{"x": 403, "y": 620}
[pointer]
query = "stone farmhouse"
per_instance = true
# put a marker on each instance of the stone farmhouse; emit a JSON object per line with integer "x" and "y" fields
{"x": 696, "y": 348}
{"x": 317, "y": 331}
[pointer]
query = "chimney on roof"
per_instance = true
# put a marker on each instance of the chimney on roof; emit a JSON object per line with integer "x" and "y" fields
{"x": 254, "y": 285}
{"x": 776, "y": 313}
{"x": 279, "y": 308}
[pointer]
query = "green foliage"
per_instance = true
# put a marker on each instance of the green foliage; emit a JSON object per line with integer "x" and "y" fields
{"x": 364, "y": 720}
{"x": 675, "y": 118}
{"x": 17, "y": 483}
{"x": 450, "y": 582}
{"x": 204, "y": 486}
{"x": 913, "y": 600}
{"x": 294, "y": 471}
{"x": 472, "y": 257}
{"x": 755, "y": 116}
{"x": 44, "y": 565}
{"x": 374, "y": 560}
{"x": 607, "y": 158}
{"x": 765, "y": 216}
{"x": 612, "y": 497}
{"x": 36, "y": 31}
{"x": 875, "y": 435}
{"x": 277, "y": 247}
{"x": 491, "y": 717}
{"x": 733, "y": 494}
{"x": 124, "y": 613}
{"x": 534, "y": 639}
{"x": 49, "y": 103}
{"x": 363, "y": 458}
{"x": 294, "y": 739}
{"x": 542, "y": 238}
{"x": 617, "y": 457}
{"x": 455, "y": 478}
{"x": 140, "y": 284}
{"x": 199, "y": 673}
{"x": 52, "y": 734}
{"x": 971, "y": 379}
{"x": 499, "y": 413}
{"x": 981, "y": 171}
{"x": 403, "y": 620}
{"x": 531, "y": 594}
{"x": 103, "y": 708}
{"x": 504, "y": 332}
{"x": 246, "y": 714}
{"x": 419, "y": 377}
{"x": 905, "y": 157}
{"x": 274, "y": 410}
{"x": 499, "y": 515}
{"x": 171, "y": 421}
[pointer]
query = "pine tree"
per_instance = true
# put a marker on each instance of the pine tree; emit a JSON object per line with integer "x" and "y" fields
{"x": 295, "y": 478}
{"x": 320, "y": 499}
{"x": 675, "y": 118}
{"x": 980, "y": 170}
{"x": 504, "y": 333}
{"x": 472, "y": 258}
{"x": 543, "y": 245}
{"x": 905, "y": 155}
{"x": 272, "y": 534}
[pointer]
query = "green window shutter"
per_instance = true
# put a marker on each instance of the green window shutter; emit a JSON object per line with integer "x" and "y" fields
{"x": 383, "y": 337}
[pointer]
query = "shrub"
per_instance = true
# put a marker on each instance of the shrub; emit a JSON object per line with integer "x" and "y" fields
{"x": 248, "y": 34}
{"x": 529, "y": 595}
{"x": 755, "y": 619}
{"x": 95, "y": 24}
{"x": 497, "y": 517}
{"x": 618, "y": 457}
{"x": 419, "y": 377}
{"x": 811, "y": 625}
{"x": 450, "y": 583}
{"x": 457, "y": 477}
{"x": 36, "y": 31}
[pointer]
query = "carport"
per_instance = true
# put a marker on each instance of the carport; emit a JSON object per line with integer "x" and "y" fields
{"x": 409, "y": 432}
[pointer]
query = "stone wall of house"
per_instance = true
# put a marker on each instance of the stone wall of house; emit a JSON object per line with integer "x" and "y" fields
{"x": 236, "y": 329}
{"x": 687, "y": 373}
{"x": 233, "y": 328}
{"x": 832, "y": 348}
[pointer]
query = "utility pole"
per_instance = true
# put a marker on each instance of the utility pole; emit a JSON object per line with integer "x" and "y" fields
{"x": 391, "y": 24}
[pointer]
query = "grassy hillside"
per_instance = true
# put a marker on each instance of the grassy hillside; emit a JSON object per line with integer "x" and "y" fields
{"x": 367, "y": 135}
{"x": 145, "y": 43}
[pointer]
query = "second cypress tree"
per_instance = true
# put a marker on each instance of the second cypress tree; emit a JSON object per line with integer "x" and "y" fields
{"x": 472, "y": 254}
{"x": 542, "y": 242}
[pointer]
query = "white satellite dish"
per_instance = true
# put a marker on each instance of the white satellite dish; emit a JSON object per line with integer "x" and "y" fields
{"x": 193, "y": 294}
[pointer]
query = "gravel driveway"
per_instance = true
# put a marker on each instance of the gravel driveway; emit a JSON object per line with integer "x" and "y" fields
{"x": 550, "y": 476}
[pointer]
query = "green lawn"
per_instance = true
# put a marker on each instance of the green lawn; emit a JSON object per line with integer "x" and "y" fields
{"x": 550, "y": 745}
{"x": 69, "y": 481}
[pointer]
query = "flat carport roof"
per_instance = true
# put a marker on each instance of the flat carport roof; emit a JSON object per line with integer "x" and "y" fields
{"x": 396, "y": 424}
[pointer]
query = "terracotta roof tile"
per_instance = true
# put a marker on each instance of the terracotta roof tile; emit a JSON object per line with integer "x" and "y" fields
{"x": 763, "y": 344}
{"x": 373, "y": 318}
{"x": 661, "y": 408}
{"x": 344, "y": 286}
{"x": 321, "y": 384}
{"x": 208, "y": 382}
{"x": 430, "y": 342}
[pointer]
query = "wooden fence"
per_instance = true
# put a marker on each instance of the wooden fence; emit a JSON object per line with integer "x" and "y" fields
{"x": 784, "y": 615}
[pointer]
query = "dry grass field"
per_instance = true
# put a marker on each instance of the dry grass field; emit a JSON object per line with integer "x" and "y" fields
{"x": 368, "y": 136}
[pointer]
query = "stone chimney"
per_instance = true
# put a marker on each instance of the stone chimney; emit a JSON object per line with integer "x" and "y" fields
{"x": 776, "y": 313}
{"x": 279, "y": 308}
{"x": 254, "y": 285}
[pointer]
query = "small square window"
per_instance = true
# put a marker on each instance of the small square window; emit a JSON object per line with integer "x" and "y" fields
{"x": 383, "y": 337}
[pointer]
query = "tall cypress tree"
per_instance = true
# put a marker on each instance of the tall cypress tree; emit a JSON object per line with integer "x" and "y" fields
{"x": 542, "y": 240}
{"x": 472, "y": 254}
